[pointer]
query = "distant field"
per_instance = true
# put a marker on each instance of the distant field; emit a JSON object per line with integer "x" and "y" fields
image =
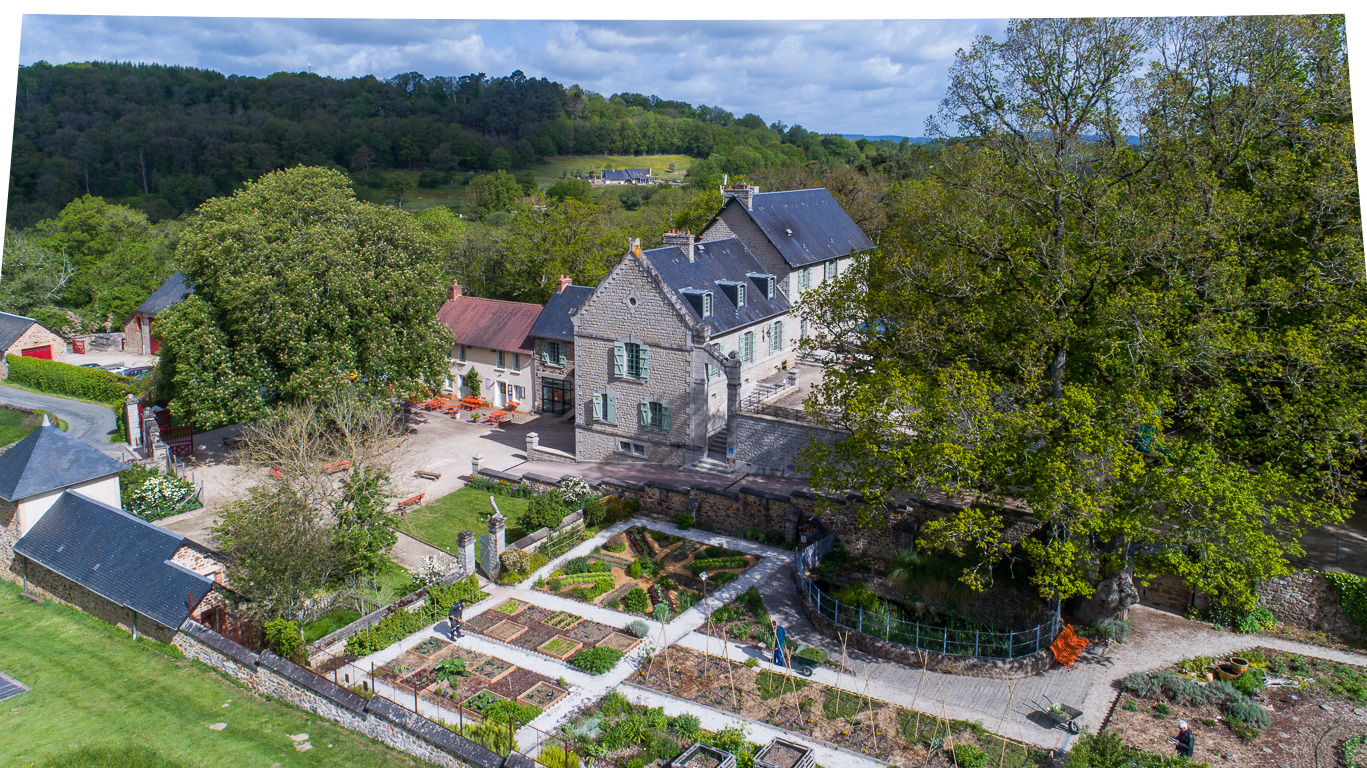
{"x": 548, "y": 172}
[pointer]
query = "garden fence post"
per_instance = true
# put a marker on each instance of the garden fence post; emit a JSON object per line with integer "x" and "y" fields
{"x": 861, "y": 619}
{"x": 945, "y": 646}
{"x": 918, "y": 634}
{"x": 1037, "y": 626}
{"x": 977, "y": 633}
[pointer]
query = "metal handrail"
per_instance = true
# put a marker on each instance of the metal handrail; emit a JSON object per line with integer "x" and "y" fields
{"x": 930, "y": 637}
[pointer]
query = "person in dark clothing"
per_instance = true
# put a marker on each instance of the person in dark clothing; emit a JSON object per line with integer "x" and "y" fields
{"x": 457, "y": 612}
{"x": 1185, "y": 741}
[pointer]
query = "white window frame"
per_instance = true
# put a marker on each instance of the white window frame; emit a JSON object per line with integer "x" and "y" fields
{"x": 462, "y": 352}
{"x": 832, "y": 270}
{"x": 630, "y": 448}
{"x": 499, "y": 360}
{"x": 707, "y": 304}
{"x": 747, "y": 347}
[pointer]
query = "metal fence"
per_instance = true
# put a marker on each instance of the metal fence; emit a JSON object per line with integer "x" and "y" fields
{"x": 884, "y": 626}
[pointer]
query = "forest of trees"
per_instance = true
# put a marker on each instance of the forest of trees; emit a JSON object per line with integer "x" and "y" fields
{"x": 164, "y": 139}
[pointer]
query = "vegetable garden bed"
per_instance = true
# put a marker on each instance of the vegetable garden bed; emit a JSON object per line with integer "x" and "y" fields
{"x": 559, "y": 647}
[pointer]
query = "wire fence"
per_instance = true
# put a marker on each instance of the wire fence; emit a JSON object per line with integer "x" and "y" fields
{"x": 882, "y": 625}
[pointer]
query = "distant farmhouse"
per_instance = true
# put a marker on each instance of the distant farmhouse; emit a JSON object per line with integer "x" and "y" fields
{"x": 628, "y": 176}
{"x": 138, "y": 334}
{"x": 26, "y": 337}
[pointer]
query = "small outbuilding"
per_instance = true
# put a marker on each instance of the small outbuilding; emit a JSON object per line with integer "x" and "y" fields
{"x": 138, "y": 335}
{"x": 26, "y": 337}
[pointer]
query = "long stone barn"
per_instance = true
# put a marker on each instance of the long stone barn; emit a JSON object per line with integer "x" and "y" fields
{"x": 64, "y": 536}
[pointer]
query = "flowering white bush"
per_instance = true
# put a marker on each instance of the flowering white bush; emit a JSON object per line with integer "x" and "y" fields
{"x": 433, "y": 569}
{"x": 576, "y": 489}
{"x": 158, "y": 495}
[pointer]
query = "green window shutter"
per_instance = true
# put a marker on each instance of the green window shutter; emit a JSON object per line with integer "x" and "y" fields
{"x": 776, "y": 337}
{"x": 545, "y": 352}
{"x": 619, "y": 359}
{"x": 645, "y": 414}
{"x": 559, "y": 354}
{"x": 611, "y": 409}
{"x": 597, "y": 407}
{"x": 645, "y": 362}
{"x": 664, "y": 422}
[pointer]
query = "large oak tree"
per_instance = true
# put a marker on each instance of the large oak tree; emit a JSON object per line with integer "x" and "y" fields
{"x": 1131, "y": 300}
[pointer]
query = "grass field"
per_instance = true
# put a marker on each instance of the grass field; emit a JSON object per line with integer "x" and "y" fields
{"x": 93, "y": 684}
{"x": 548, "y": 172}
{"x": 440, "y": 522}
{"x": 16, "y": 425}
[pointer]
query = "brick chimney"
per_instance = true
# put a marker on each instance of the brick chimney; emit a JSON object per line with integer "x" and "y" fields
{"x": 742, "y": 192}
{"x": 683, "y": 239}
{"x": 455, "y": 290}
{"x": 563, "y": 283}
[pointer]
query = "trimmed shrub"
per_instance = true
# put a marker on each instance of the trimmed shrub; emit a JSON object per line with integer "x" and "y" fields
{"x": 639, "y": 628}
{"x": 595, "y": 513}
{"x": 545, "y": 511}
{"x": 596, "y": 661}
{"x": 515, "y": 560}
{"x": 636, "y": 601}
{"x": 684, "y": 521}
{"x": 285, "y": 639}
{"x": 71, "y": 380}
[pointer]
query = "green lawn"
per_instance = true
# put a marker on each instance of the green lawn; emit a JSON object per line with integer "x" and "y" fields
{"x": 440, "y": 522}
{"x": 15, "y": 425}
{"x": 93, "y": 684}
{"x": 548, "y": 172}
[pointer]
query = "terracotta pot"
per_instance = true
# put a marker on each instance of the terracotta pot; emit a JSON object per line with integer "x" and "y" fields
{"x": 1228, "y": 671}
{"x": 1238, "y": 663}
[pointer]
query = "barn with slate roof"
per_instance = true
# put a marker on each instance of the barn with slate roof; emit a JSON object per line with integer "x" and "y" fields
{"x": 63, "y": 535}
{"x": 26, "y": 337}
{"x": 138, "y": 336}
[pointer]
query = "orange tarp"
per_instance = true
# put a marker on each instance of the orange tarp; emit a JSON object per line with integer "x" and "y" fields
{"x": 1068, "y": 646}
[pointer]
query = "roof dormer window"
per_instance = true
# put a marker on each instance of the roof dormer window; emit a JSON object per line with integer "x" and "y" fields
{"x": 740, "y": 295}
{"x": 707, "y": 304}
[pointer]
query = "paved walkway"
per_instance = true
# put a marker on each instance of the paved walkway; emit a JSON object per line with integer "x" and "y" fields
{"x": 89, "y": 422}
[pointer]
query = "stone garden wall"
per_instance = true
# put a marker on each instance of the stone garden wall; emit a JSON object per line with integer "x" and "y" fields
{"x": 769, "y": 445}
{"x": 1305, "y": 599}
{"x": 378, "y": 718}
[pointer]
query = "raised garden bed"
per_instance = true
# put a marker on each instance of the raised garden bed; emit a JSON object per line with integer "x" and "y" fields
{"x": 621, "y": 642}
{"x": 512, "y": 607}
{"x": 482, "y": 701}
{"x": 784, "y": 754}
{"x": 492, "y": 669}
{"x": 563, "y": 620}
{"x": 703, "y": 756}
{"x": 506, "y": 631}
{"x": 542, "y": 695}
{"x": 420, "y": 679}
{"x": 430, "y": 646}
{"x": 559, "y": 647}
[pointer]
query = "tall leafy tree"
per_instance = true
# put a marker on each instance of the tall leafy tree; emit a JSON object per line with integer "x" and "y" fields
{"x": 1132, "y": 305}
{"x": 300, "y": 290}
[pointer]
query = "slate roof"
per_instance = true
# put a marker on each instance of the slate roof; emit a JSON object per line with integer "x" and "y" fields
{"x": 115, "y": 555}
{"x": 490, "y": 323}
{"x": 630, "y": 174}
{"x": 554, "y": 322}
{"x": 821, "y": 230}
{"x": 49, "y": 458}
{"x": 173, "y": 291}
{"x": 715, "y": 262}
{"x": 12, "y": 327}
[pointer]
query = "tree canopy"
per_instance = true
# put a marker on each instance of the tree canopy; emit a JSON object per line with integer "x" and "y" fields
{"x": 300, "y": 289}
{"x": 1132, "y": 304}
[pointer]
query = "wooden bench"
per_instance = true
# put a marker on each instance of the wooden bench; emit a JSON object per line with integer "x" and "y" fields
{"x": 337, "y": 466}
{"x": 426, "y": 475}
{"x": 404, "y": 505}
{"x": 277, "y": 472}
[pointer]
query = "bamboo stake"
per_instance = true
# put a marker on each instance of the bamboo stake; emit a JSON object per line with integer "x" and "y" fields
{"x": 916, "y": 698}
{"x": 1009, "y": 699}
{"x": 664, "y": 650}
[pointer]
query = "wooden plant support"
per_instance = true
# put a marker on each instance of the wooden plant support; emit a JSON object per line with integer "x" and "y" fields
{"x": 1009, "y": 700}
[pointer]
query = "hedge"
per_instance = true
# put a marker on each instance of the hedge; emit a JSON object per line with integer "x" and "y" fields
{"x": 586, "y": 578}
{"x": 402, "y": 623}
{"x": 1352, "y": 591}
{"x": 698, "y": 566}
{"x": 71, "y": 380}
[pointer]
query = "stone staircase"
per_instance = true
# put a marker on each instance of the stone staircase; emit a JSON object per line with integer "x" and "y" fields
{"x": 714, "y": 462}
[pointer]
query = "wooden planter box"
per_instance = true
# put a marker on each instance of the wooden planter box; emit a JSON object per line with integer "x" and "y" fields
{"x": 542, "y": 695}
{"x": 781, "y": 753}
{"x": 505, "y": 630}
{"x": 702, "y": 756}
{"x": 573, "y": 645}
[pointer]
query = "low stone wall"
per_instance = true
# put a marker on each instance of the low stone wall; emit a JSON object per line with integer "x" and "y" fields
{"x": 378, "y": 718}
{"x": 44, "y": 582}
{"x": 1307, "y": 600}
{"x": 919, "y": 658}
{"x": 542, "y": 453}
{"x": 768, "y": 445}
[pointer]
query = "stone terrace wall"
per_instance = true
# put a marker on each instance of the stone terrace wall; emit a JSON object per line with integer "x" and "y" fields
{"x": 770, "y": 445}
{"x": 1307, "y": 600}
{"x": 378, "y": 718}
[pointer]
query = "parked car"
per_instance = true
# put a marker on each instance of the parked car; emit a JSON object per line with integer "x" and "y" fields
{"x": 136, "y": 373}
{"x": 91, "y": 365}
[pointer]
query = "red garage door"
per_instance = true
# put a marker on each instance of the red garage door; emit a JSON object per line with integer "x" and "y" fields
{"x": 43, "y": 352}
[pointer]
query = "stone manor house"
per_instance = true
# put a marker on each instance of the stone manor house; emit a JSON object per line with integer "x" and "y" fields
{"x": 664, "y": 351}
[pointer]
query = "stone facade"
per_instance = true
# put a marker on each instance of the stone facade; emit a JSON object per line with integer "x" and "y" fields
{"x": 203, "y": 561}
{"x": 9, "y": 535}
{"x": 734, "y": 221}
{"x": 40, "y": 581}
{"x": 35, "y": 336}
{"x": 137, "y": 334}
{"x": 378, "y": 718}
{"x": 630, "y": 306}
{"x": 1307, "y": 600}
{"x": 770, "y": 445}
{"x": 515, "y": 376}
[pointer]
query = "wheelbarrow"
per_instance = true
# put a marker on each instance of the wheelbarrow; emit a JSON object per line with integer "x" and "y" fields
{"x": 1059, "y": 715}
{"x": 801, "y": 665}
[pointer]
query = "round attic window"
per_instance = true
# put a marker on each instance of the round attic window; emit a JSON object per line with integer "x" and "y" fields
{"x": 632, "y": 301}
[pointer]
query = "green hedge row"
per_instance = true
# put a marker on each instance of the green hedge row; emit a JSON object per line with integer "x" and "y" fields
{"x": 586, "y": 578}
{"x": 697, "y": 566}
{"x": 402, "y": 623}
{"x": 71, "y": 380}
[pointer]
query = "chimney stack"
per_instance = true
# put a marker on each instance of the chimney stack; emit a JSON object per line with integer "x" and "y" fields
{"x": 563, "y": 283}
{"x": 455, "y": 289}
{"x": 742, "y": 192}
{"x": 634, "y": 245}
{"x": 683, "y": 239}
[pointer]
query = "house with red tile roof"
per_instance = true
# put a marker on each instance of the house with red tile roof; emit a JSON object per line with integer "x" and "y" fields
{"x": 492, "y": 338}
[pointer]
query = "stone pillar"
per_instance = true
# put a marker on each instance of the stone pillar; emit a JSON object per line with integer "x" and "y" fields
{"x": 131, "y": 422}
{"x": 792, "y": 516}
{"x": 792, "y": 378}
{"x": 465, "y": 552}
{"x": 498, "y": 527}
{"x": 533, "y": 441}
{"x": 476, "y": 464}
{"x": 732, "y": 370}
{"x": 151, "y": 434}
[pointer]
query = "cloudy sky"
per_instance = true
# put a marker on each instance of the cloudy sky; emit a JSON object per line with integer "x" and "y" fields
{"x": 871, "y": 77}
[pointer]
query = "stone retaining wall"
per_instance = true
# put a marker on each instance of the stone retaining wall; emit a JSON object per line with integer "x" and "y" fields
{"x": 1307, "y": 600}
{"x": 378, "y": 718}
{"x": 769, "y": 445}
